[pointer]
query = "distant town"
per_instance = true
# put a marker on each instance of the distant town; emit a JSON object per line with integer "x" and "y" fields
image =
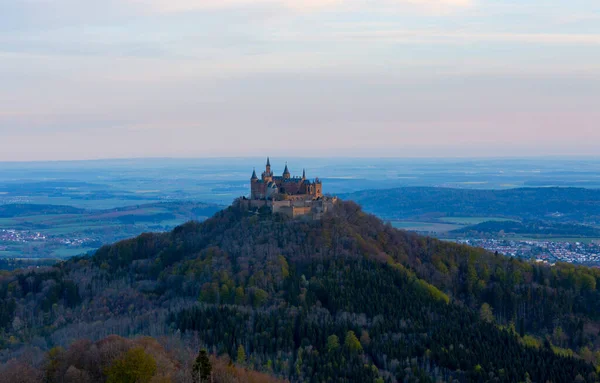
{"x": 542, "y": 250}
{"x": 34, "y": 244}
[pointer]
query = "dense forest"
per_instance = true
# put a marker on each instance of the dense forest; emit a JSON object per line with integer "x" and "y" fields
{"x": 561, "y": 204}
{"x": 346, "y": 298}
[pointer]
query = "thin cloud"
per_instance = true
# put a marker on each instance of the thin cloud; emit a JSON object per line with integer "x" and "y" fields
{"x": 191, "y": 5}
{"x": 449, "y": 37}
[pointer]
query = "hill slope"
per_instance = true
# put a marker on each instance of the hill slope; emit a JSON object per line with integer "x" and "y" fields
{"x": 345, "y": 298}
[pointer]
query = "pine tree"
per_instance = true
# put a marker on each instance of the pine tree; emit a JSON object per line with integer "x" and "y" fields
{"x": 202, "y": 369}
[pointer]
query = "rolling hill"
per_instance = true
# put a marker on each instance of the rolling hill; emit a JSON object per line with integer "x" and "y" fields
{"x": 347, "y": 298}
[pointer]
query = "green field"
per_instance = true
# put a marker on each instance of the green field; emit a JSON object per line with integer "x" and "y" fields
{"x": 10, "y": 254}
{"x": 429, "y": 227}
{"x": 66, "y": 252}
{"x": 473, "y": 220}
{"x": 109, "y": 203}
{"x": 556, "y": 239}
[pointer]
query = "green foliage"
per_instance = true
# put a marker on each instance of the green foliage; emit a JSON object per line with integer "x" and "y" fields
{"x": 486, "y": 313}
{"x": 285, "y": 268}
{"x": 433, "y": 291}
{"x": 333, "y": 343}
{"x": 352, "y": 343}
{"x": 241, "y": 355}
{"x": 531, "y": 341}
{"x": 136, "y": 366}
{"x": 259, "y": 297}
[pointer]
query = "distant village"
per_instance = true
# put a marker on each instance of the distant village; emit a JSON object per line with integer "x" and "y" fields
{"x": 546, "y": 251}
{"x": 42, "y": 245}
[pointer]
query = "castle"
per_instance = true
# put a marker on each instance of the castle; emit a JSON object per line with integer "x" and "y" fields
{"x": 284, "y": 186}
{"x": 292, "y": 196}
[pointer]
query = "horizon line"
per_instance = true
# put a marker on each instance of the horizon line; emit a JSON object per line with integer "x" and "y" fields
{"x": 498, "y": 157}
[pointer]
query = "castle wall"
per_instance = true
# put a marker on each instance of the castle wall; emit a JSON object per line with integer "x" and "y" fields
{"x": 313, "y": 209}
{"x": 291, "y": 187}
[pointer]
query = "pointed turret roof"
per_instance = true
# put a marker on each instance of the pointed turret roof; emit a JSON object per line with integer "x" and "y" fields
{"x": 268, "y": 162}
{"x": 254, "y": 177}
{"x": 286, "y": 171}
{"x": 303, "y": 173}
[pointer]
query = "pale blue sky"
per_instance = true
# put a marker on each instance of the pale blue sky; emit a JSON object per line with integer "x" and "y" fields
{"x": 85, "y": 79}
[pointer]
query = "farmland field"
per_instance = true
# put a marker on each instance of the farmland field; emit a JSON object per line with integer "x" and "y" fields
{"x": 31, "y": 233}
{"x": 425, "y": 227}
{"x": 472, "y": 220}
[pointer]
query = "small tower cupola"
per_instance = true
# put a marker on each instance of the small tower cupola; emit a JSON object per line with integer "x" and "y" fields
{"x": 286, "y": 172}
{"x": 254, "y": 177}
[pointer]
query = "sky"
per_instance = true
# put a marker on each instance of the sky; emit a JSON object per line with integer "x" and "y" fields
{"x": 87, "y": 79}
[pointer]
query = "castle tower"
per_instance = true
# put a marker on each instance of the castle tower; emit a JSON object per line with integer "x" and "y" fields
{"x": 267, "y": 176}
{"x": 286, "y": 173}
{"x": 254, "y": 185}
{"x": 303, "y": 174}
{"x": 318, "y": 188}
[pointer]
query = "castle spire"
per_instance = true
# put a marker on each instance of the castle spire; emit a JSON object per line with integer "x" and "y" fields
{"x": 268, "y": 168}
{"x": 286, "y": 172}
{"x": 254, "y": 177}
{"x": 303, "y": 174}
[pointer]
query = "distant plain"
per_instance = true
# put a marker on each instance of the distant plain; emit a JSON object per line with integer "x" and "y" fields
{"x": 104, "y": 201}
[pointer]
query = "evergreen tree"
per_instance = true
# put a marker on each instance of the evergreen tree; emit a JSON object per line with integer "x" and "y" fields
{"x": 201, "y": 371}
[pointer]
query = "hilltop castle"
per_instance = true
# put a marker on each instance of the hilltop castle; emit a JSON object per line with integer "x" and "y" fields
{"x": 292, "y": 196}
{"x": 284, "y": 186}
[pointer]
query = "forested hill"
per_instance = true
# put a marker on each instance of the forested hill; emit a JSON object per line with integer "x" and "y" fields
{"x": 346, "y": 298}
{"x": 564, "y": 204}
